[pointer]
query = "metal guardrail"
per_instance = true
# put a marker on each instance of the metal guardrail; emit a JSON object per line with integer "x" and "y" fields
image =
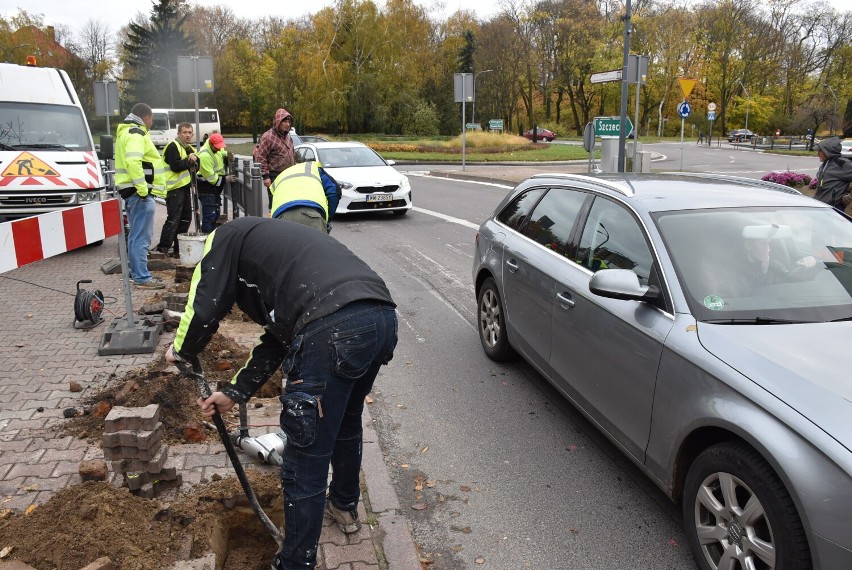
{"x": 246, "y": 196}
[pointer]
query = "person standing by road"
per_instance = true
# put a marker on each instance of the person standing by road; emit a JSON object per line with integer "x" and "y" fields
{"x": 274, "y": 152}
{"x": 211, "y": 180}
{"x": 306, "y": 194}
{"x": 834, "y": 174}
{"x": 330, "y": 323}
{"x": 181, "y": 162}
{"x": 138, "y": 173}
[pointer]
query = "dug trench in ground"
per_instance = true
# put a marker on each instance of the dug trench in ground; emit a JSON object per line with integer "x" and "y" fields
{"x": 85, "y": 522}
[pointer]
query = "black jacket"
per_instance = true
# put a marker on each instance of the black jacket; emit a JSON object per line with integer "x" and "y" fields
{"x": 283, "y": 275}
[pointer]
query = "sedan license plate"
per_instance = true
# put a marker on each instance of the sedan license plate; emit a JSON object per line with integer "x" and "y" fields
{"x": 379, "y": 197}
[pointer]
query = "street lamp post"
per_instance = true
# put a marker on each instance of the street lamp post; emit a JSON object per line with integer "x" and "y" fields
{"x": 473, "y": 111}
{"x": 171, "y": 91}
{"x": 833, "y": 94}
{"x": 8, "y": 51}
{"x": 748, "y": 100}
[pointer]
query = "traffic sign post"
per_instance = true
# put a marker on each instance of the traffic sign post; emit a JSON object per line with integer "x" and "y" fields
{"x": 683, "y": 110}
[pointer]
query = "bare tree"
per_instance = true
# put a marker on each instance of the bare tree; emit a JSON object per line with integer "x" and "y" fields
{"x": 97, "y": 49}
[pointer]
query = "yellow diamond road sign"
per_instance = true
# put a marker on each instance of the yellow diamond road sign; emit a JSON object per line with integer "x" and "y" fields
{"x": 686, "y": 86}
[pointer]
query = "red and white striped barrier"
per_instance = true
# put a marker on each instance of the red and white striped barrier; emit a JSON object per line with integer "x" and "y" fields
{"x": 39, "y": 237}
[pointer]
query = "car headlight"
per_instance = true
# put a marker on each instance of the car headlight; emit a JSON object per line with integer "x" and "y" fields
{"x": 346, "y": 185}
{"x": 404, "y": 184}
{"x": 93, "y": 196}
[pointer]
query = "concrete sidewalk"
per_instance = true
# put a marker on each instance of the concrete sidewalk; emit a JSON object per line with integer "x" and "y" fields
{"x": 42, "y": 353}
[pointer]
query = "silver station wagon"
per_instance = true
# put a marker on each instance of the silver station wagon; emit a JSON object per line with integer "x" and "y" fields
{"x": 702, "y": 323}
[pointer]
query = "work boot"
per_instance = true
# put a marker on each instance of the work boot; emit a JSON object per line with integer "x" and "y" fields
{"x": 152, "y": 283}
{"x": 347, "y": 521}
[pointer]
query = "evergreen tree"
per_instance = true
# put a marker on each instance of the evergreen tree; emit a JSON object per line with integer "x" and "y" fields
{"x": 465, "y": 58}
{"x": 158, "y": 42}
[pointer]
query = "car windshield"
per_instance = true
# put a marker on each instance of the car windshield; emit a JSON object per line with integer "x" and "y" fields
{"x": 37, "y": 126}
{"x": 753, "y": 264}
{"x": 349, "y": 156}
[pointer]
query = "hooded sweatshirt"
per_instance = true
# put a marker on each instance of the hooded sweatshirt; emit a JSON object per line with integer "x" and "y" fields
{"x": 834, "y": 175}
{"x": 274, "y": 152}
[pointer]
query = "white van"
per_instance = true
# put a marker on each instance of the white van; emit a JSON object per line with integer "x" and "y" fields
{"x": 47, "y": 156}
{"x": 166, "y": 121}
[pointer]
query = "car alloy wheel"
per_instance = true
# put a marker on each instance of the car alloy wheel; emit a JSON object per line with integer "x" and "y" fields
{"x": 491, "y": 323}
{"x": 738, "y": 515}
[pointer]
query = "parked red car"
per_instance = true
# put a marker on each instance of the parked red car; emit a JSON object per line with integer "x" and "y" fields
{"x": 544, "y": 135}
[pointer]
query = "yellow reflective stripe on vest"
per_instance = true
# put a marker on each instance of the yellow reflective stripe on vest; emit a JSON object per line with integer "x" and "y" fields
{"x": 299, "y": 183}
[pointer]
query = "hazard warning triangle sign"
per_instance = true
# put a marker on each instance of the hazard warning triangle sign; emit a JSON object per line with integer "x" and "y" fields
{"x": 27, "y": 164}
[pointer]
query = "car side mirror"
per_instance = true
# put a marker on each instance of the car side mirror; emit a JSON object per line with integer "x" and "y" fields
{"x": 390, "y": 162}
{"x": 621, "y": 284}
{"x": 106, "y": 150}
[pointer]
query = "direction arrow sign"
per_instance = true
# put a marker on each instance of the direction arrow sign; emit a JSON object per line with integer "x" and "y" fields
{"x": 683, "y": 110}
{"x": 610, "y": 126}
{"x": 606, "y": 76}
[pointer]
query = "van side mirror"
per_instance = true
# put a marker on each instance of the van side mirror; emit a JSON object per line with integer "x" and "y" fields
{"x": 106, "y": 150}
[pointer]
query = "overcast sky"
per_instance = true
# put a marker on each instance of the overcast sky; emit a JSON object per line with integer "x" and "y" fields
{"x": 117, "y": 13}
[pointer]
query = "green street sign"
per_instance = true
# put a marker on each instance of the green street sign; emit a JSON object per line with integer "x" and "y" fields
{"x": 610, "y": 126}
{"x": 495, "y": 124}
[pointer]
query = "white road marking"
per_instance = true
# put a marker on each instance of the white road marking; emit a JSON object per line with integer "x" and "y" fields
{"x": 480, "y": 182}
{"x": 447, "y": 218}
{"x": 459, "y": 251}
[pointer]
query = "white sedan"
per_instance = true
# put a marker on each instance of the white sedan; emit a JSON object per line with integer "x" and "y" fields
{"x": 369, "y": 182}
{"x": 846, "y": 148}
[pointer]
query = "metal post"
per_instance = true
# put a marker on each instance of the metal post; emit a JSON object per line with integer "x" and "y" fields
{"x": 254, "y": 202}
{"x": 473, "y": 112}
{"x": 682, "y": 121}
{"x": 636, "y": 124}
{"x": 106, "y": 99}
{"x": 833, "y": 94}
{"x": 621, "y": 134}
{"x": 464, "y": 130}
{"x": 171, "y": 90}
{"x": 748, "y": 100}
{"x": 125, "y": 273}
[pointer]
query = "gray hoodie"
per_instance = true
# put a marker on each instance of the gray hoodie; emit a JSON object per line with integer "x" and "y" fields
{"x": 834, "y": 175}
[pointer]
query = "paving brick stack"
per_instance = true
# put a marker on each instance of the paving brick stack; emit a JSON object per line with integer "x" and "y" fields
{"x": 132, "y": 441}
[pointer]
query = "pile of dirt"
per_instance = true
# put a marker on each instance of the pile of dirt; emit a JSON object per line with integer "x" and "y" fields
{"x": 85, "y": 522}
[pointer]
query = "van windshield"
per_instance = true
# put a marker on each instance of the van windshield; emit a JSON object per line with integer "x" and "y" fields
{"x": 38, "y": 126}
{"x": 161, "y": 122}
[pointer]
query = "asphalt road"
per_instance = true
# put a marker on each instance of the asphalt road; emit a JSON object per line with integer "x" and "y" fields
{"x": 493, "y": 467}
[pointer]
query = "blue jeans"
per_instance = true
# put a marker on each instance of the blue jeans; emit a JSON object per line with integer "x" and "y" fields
{"x": 140, "y": 217}
{"x": 330, "y": 366}
{"x": 210, "y": 206}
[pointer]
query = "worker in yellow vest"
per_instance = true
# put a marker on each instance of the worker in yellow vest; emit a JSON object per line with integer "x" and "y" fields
{"x": 211, "y": 180}
{"x": 181, "y": 163}
{"x": 306, "y": 194}
{"x": 138, "y": 172}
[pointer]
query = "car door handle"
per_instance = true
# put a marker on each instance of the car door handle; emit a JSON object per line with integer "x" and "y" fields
{"x": 565, "y": 300}
{"x": 513, "y": 265}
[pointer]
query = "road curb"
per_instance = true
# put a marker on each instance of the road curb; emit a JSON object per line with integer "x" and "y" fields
{"x": 394, "y": 536}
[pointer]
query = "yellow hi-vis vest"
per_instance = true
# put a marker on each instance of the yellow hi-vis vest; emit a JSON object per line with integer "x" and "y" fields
{"x": 175, "y": 180}
{"x": 299, "y": 185}
{"x": 137, "y": 163}
{"x": 211, "y": 164}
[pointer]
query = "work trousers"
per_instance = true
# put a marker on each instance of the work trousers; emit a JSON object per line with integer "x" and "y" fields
{"x": 178, "y": 218}
{"x": 140, "y": 218}
{"x": 211, "y": 206}
{"x": 331, "y": 365}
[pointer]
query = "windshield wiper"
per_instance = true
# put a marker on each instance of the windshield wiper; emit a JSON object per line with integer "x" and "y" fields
{"x": 6, "y": 147}
{"x": 43, "y": 145}
{"x": 756, "y": 321}
{"x": 840, "y": 320}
